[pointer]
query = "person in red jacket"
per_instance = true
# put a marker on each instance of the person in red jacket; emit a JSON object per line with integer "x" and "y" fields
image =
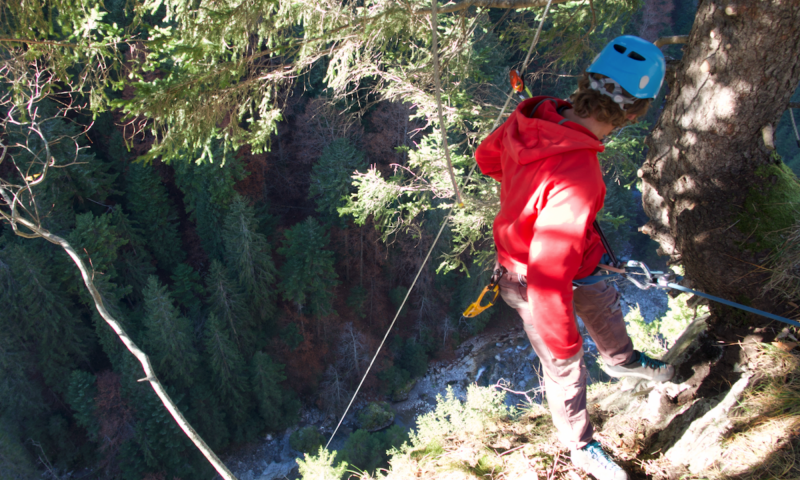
{"x": 545, "y": 158}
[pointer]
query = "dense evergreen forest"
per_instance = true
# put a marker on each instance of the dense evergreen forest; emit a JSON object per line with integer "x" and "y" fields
{"x": 254, "y": 198}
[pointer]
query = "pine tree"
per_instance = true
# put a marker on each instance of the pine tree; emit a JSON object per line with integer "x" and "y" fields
{"x": 100, "y": 242}
{"x": 331, "y": 178}
{"x": 277, "y": 406}
{"x": 187, "y": 288}
{"x": 46, "y": 320}
{"x": 153, "y": 211}
{"x": 169, "y": 336}
{"x": 227, "y": 302}
{"x": 228, "y": 369}
{"x": 208, "y": 192}
{"x": 247, "y": 253}
{"x": 81, "y": 398}
{"x": 308, "y": 275}
{"x": 134, "y": 264}
{"x": 207, "y": 415}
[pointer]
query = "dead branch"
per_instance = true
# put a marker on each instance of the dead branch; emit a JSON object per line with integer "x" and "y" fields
{"x": 150, "y": 374}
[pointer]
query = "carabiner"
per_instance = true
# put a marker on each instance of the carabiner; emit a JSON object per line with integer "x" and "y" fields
{"x": 476, "y": 308}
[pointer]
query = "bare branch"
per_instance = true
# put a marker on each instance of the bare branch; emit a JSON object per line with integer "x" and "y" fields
{"x": 673, "y": 40}
{"x": 150, "y": 374}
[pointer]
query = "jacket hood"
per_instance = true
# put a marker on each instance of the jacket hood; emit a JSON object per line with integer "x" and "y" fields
{"x": 528, "y": 140}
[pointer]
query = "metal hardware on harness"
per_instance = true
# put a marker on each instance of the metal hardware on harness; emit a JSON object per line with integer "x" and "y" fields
{"x": 476, "y": 308}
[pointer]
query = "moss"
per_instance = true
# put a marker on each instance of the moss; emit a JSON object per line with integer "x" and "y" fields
{"x": 772, "y": 207}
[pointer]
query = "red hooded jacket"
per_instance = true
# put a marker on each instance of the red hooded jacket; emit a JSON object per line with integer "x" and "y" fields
{"x": 551, "y": 190}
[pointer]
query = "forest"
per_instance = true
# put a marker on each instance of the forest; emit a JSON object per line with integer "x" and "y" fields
{"x": 253, "y": 188}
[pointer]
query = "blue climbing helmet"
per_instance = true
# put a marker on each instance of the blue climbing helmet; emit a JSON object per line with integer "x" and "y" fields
{"x": 632, "y": 63}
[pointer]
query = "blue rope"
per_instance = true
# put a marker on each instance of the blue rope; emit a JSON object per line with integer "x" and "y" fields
{"x": 733, "y": 304}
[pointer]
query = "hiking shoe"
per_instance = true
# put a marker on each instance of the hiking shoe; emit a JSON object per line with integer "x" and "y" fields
{"x": 643, "y": 366}
{"x": 596, "y": 462}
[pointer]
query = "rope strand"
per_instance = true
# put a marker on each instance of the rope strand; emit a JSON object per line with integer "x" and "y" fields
{"x": 452, "y": 176}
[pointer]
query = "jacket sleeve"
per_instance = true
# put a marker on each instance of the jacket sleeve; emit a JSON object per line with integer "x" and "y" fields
{"x": 488, "y": 154}
{"x": 555, "y": 256}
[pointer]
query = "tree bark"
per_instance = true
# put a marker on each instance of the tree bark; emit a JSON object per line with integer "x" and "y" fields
{"x": 738, "y": 72}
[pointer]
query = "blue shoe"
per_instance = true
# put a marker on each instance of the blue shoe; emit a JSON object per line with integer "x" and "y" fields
{"x": 596, "y": 462}
{"x": 643, "y": 367}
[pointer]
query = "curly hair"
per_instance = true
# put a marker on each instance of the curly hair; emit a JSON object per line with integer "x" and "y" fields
{"x": 590, "y": 103}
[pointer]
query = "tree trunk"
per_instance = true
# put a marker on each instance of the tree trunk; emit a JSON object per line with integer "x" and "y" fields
{"x": 711, "y": 163}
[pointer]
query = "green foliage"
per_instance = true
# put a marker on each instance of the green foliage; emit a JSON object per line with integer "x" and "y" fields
{"x": 375, "y": 415}
{"x": 208, "y": 192}
{"x": 208, "y": 417}
{"x": 397, "y": 295}
{"x": 291, "y": 336}
{"x": 321, "y": 466}
{"x": 15, "y": 461}
{"x": 278, "y": 406}
{"x": 168, "y": 337}
{"x": 771, "y": 209}
{"x": 158, "y": 442}
{"x": 46, "y": 322}
{"x": 134, "y": 263}
{"x": 679, "y": 315}
{"x": 331, "y": 182}
{"x": 228, "y": 369}
{"x": 483, "y": 407}
{"x": 228, "y": 304}
{"x": 364, "y": 450}
{"x": 64, "y": 191}
{"x": 187, "y": 288}
{"x": 645, "y": 336}
{"x": 357, "y": 300}
{"x": 81, "y": 398}
{"x": 656, "y": 337}
{"x": 154, "y": 213}
{"x": 247, "y": 253}
{"x": 412, "y": 357}
{"x": 307, "y": 439}
{"x": 308, "y": 275}
{"x": 394, "y": 382}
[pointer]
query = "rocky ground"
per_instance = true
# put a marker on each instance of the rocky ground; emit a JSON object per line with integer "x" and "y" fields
{"x": 499, "y": 358}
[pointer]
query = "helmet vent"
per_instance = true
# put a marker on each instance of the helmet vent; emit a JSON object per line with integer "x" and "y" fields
{"x": 636, "y": 56}
{"x": 619, "y": 48}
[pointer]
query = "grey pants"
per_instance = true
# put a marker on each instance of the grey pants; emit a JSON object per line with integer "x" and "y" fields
{"x": 565, "y": 379}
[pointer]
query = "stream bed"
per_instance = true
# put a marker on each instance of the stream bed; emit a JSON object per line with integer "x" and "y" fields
{"x": 499, "y": 358}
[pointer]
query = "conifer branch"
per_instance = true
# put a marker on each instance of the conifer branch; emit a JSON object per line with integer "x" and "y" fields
{"x": 506, "y": 4}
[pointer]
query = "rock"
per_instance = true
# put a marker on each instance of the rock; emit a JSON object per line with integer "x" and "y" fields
{"x": 701, "y": 446}
{"x": 497, "y": 357}
{"x": 498, "y": 344}
{"x": 277, "y": 470}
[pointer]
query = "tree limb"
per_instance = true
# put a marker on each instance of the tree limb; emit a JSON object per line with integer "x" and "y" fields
{"x": 150, "y": 374}
{"x": 673, "y": 40}
{"x": 508, "y": 4}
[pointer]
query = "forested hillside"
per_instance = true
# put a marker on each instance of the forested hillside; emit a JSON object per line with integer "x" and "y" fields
{"x": 253, "y": 188}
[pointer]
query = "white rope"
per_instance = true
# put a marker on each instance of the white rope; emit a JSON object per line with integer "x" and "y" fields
{"x": 392, "y": 325}
{"x": 794, "y": 125}
{"x": 444, "y": 223}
